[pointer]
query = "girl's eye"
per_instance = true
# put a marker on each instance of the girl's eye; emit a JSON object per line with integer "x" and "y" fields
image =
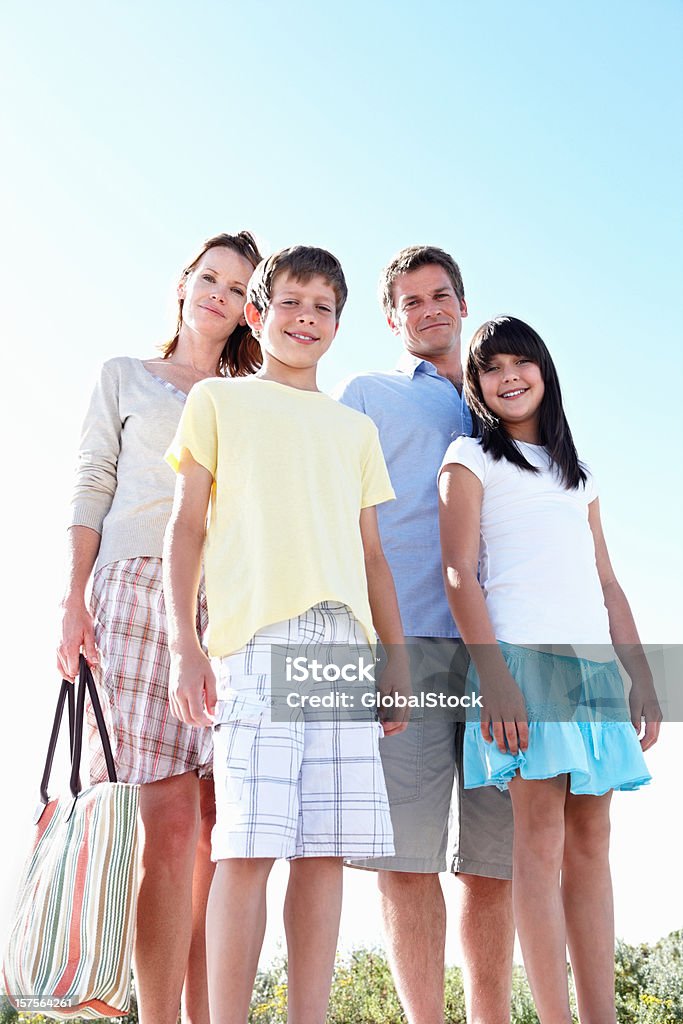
{"x": 487, "y": 369}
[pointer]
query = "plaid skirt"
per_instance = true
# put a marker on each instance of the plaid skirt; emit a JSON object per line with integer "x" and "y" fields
{"x": 148, "y": 743}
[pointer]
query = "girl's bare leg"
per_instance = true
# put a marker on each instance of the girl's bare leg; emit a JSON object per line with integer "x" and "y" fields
{"x": 538, "y": 808}
{"x": 235, "y": 926}
{"x": 195, "y": 1002}
{"x": 588, "y": 905}
{"x": 312, "y": 911}
{"x": 169, "y": 814}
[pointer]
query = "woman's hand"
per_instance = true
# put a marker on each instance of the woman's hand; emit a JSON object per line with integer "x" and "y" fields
{"x": 77, "y": 632}
{"x": 503, "y": 717}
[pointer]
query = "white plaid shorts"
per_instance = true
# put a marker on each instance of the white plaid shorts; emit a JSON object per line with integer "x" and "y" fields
{"x": 148, "y": 743}
{"x": 300, "y": 788}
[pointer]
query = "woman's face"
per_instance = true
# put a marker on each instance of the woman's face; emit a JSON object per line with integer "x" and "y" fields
{"x": 215, "y": 291}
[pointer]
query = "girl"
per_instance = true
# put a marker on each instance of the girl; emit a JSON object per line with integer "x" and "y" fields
{"x": 517, "y": 503}
{"x": 121, "y": 505}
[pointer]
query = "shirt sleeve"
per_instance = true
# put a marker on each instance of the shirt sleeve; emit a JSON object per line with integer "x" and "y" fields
{"x": 98, "y": 453}
{"x": 591, "y": 485}
{"x": 197, "y": 431}
{"x": 466, "y": 451}
{"x": 349, "y": 392}
{"x": 376, "y": 485}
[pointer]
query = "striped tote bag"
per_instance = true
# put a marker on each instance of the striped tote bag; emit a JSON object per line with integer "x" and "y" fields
{"x": 70, "y": 946}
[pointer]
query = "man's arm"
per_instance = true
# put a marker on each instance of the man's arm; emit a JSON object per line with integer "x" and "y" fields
{"x": 386, "y": 619}
{"x": 192, "y": 686}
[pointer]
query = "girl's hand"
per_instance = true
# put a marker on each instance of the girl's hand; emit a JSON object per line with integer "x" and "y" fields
{"x": 503, "y": 716}
{"x": 192, "y": 687}
{"x": 77, "y": 632}
{"x": 644, "y": 706}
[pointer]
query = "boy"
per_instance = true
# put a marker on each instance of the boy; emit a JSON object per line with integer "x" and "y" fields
{"x": 292, "y": 556}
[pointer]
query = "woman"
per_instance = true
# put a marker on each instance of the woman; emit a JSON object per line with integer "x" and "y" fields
{"x": 121, "y": 504}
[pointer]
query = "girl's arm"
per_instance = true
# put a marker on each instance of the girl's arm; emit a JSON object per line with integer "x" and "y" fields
{"x": 460, "y": 495}
{"x": 386, "y": 619}
{"x": 642, "y": 698}
{"x": 192, "y": 685}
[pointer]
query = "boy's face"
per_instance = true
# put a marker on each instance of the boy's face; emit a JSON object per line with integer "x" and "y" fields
{"x": 427, "y": 313}
{"x": 300, "y": 323}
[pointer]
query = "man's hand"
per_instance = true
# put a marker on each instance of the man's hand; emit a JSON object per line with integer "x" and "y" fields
{"x": 192, "y": 687}
{"x": 394, "y": 682}
{"x": 503, "y": 716}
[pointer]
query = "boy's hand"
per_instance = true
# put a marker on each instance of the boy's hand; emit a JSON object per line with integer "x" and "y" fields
{"x": 192, "y": 687}
{"x": 504, "y": 709}
{"x": 645, "y": 706}
{"x": 395, "y": 682}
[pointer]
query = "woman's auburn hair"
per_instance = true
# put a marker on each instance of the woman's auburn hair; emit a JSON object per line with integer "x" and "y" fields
{"x": 509, "y": 336}
{"x": 241, "y": 355}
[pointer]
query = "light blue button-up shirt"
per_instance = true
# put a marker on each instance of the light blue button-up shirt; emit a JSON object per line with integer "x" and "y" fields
{"x": 418, "y": 413}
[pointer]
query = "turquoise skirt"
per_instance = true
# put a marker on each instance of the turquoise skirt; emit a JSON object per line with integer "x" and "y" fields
{"x": 579, "y": 725}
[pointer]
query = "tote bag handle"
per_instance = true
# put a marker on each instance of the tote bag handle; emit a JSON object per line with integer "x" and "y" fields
{"x": 76, "y": 719}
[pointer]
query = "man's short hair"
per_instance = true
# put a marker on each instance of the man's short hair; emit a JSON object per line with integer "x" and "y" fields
{"x": 302, "y": 262}
{"x": 412, "y": 258}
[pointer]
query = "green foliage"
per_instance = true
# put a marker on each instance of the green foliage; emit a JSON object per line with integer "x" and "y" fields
{"x": 649, "y": 987}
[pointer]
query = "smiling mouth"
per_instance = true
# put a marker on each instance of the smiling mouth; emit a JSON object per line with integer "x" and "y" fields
{"x": 428, "y": 327}
{"x": 514, "y": 394}
{"x": 216, "y": 312}
{"x": 303, "y": 339}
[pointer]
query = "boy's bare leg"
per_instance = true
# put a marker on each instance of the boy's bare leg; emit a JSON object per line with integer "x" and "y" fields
{"x": 588, "y": 905}
{"x": 312, "y": 911}
{"x": 195, "y": 1003}
{"x": 414, "y": 916}
{"x": 169, "y": 815}
{"x": 235, "y": 925}
{"x": 538, "y": 849}
{"x": 487, "y": 939}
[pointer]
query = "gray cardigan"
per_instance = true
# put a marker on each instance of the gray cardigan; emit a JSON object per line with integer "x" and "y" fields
{"x": 124, "y": 489}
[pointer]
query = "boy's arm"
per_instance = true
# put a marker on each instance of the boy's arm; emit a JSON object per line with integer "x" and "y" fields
{"x": 460, "y": 495}
{"x": 192, "y": 686}
{"x": 386, "y": 620}
{"x": 642, "y": 698}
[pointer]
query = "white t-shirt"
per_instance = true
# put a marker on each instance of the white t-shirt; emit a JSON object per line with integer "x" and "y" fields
{"x": 537, "y": 557}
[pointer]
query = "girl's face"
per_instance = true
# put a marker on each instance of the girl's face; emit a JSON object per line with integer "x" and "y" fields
{"x": 214, "y": 293}
{"x": 513, "y": 389}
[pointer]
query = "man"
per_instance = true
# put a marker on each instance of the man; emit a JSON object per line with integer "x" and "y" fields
{"x": 418, "y": 409}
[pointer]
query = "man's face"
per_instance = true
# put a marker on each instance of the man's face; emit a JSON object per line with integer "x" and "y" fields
{"x": 427, "y": 313}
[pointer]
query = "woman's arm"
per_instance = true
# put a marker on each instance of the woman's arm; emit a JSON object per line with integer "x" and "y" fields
{"x": 77, "y": 625}
{"x": 192, "y": 685}
{"x": 642, "y": 698}
{"x": 386, "y": 619}
{"x": 460, "y": 495}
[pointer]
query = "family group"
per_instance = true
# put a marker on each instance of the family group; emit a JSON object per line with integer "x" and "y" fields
{"x": 224, "y": 507}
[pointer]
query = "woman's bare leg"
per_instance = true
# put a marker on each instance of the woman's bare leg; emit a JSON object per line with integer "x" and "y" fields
{"x": 235, "y": 926}
{"x": 312, "y": 911}
{"x": 538, "y": 808}
{"x": 195, "y": 1002}
{"x": 169, "y": 814}
{"x": 588, "y": 905}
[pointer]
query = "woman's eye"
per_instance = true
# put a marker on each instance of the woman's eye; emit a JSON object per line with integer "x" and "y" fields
{"x": 238, "y": 291}
{"x": 209, "y": 277}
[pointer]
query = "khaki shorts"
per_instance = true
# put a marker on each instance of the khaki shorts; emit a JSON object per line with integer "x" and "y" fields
{"x": 438, "y": 825}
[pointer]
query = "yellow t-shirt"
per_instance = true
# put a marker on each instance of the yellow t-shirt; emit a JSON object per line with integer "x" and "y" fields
{"x": 291, "y": 471}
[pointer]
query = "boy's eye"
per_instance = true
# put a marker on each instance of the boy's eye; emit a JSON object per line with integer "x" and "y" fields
{"x": 325, "y": 309}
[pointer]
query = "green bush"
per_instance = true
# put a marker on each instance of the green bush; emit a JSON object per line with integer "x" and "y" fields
{"x": 649, "y": 988}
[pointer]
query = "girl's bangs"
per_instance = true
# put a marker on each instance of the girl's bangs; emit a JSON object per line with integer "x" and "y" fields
{"x": 506, "y": 337}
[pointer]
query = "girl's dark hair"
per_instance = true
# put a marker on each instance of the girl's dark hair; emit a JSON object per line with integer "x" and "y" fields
{"x": 506, "y": 335}
{"x": 241, "y": 355}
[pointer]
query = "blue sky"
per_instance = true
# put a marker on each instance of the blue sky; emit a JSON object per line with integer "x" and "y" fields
{"x": 539, "y": 143}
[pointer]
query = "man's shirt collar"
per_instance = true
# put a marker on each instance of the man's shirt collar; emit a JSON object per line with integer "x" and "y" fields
{"x": 410, "y": 364}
